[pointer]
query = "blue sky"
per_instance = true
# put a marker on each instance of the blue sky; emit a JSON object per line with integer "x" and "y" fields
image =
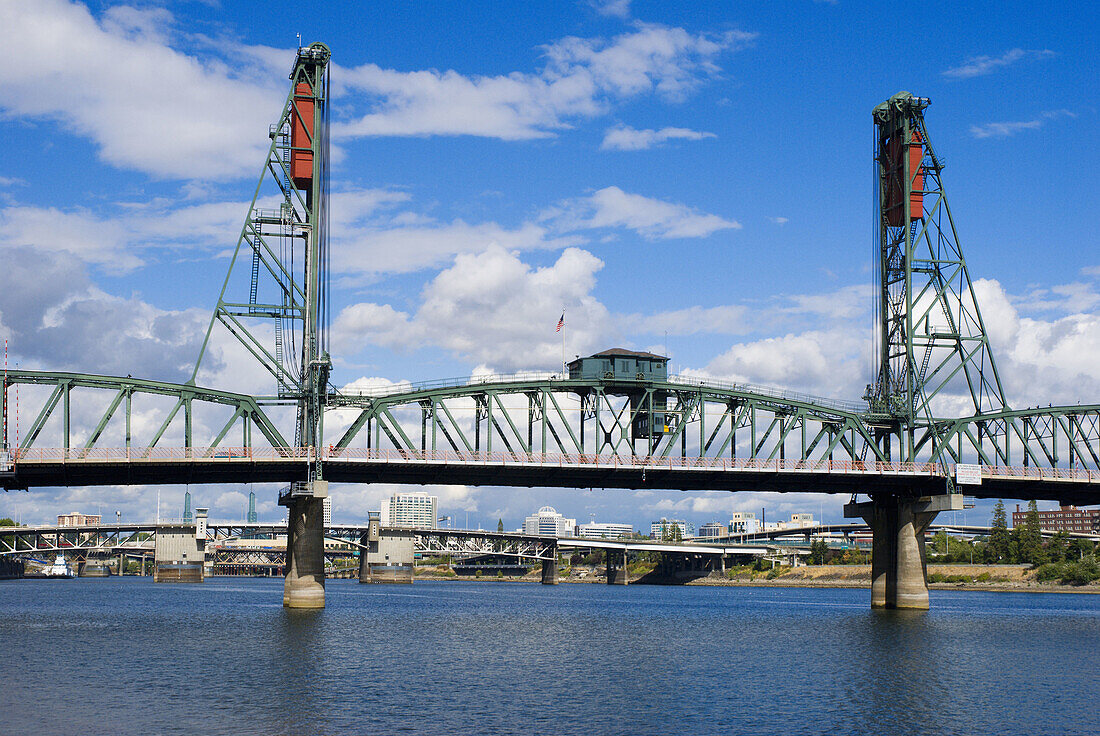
{"x": 689, "y": 177}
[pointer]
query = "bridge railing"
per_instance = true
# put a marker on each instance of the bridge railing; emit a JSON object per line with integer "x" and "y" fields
{"x": 533, "y": 376}
{"x": 671, "y": 462}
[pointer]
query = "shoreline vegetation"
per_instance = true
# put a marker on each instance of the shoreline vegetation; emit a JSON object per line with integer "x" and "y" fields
{"x": 968, "y": 577}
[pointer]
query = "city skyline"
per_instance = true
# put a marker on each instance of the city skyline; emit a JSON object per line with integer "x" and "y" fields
{"x": 597, "y": 157}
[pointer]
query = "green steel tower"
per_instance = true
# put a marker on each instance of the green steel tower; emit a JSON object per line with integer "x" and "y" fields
{"x": 278, "y": 309}
{"x": 930, "y": 339}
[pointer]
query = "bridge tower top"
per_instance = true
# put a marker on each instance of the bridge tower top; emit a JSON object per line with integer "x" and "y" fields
{"x": 930, "y": 339}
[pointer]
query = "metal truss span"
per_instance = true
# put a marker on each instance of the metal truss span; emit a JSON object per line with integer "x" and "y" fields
{"x": 541, "y": 431}
{"x": 85, "y": 411}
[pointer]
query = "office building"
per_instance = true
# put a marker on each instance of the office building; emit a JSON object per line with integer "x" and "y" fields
{"x": 78, "y": 519}
{"x": 713, "y": 530}
{"x": 1064, "y": 519}
{"x": 661, "y": 529}
{"x": 410, "y": 510}
{"x": 602, "y": 530}
{"x": 744, "y": 522}
{"x": 547, "y": 522}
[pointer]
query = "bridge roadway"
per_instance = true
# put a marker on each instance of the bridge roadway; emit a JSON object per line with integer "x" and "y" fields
{"x": 128, "y": 538}
{"x": 102, "y": 466}
{"x": 860, "y": 528}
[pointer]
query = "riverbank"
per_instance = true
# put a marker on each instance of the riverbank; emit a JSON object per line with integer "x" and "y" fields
{"x": 988, "y": 578}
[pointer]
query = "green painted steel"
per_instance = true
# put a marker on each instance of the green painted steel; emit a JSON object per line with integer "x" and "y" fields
{"x": 931, "y": 344}
{"x": 119, "y": 393}
{"x": 931, "y": 337}
{"x": 279, "y": 310}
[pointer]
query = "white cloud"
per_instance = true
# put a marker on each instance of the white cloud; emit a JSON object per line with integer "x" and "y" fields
{"x": 490, "y": 308}
{"x": 612, "y": 8}
{"x": 1006, "y": 129}
{"x": 581, "y": 79}
{"x": 779, "y": 220}
{"x": 818, "y": 362}
{"x": 733, "y": 319}
{"x": 625, "y": 138}
{"x": 651, "y": 218}
{"x": 146, "y": 105}
{"x": 978, "y": 66}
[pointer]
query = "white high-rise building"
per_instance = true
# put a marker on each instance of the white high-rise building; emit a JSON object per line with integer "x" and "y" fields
{"x": 744, "y": 522}
{"x": 410, "y": 509}
{"x": 326, "y": 514}
{"x": 659, "y": 529}
{"x": 547, "y": 522}
{"x": 602, "y": 530}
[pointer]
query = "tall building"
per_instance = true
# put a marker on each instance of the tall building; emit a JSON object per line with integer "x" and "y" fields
{"x": 78, "y": 519}
{"x": 744, "y": 522}
{"x": 602, "y": 530}
{"x": 661, "y": 529}
{"x": 410, "y": 509}
{"x": 712, "y": 530}
{"x": 547, "y": 522}
{"x": 252, "y": 507}
{"x": 1064, "y": 519}
{"x": 326, "y": 511}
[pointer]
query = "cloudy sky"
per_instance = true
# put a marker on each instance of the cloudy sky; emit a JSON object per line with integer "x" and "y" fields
{"x": 690, "y": 178}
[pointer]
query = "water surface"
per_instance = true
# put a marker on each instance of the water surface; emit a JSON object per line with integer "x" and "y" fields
{"x": 125, "y": 656}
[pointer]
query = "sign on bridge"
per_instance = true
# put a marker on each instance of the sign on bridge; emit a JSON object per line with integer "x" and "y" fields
{"x": 970, "y": 475}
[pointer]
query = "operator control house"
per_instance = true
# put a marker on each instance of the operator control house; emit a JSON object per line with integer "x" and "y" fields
{"x": 621, "y": 364}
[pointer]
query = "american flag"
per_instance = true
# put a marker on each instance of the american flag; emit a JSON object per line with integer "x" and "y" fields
{"x": 561, "y": 322}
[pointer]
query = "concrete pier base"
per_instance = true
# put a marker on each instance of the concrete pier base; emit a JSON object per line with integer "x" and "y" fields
{"x": 899, "y": 567}
{"x": 616, "y": 567}
{"x": 386, "y": 556}
{"x": 304, "y": 586}
{"x": 550, "y": 575}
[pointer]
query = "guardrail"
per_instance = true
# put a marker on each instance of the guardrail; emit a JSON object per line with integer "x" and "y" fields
{"x": 394, "y": 389}
{"x": 216, "y": 455}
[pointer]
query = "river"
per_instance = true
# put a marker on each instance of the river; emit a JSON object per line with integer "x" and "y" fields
{"x": 125, "y": 656}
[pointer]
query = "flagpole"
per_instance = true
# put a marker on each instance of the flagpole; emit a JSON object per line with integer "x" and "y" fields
{"x": 563, "y": 369}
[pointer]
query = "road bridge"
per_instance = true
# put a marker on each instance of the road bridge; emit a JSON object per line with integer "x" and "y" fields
{"x": 898, "y": 445}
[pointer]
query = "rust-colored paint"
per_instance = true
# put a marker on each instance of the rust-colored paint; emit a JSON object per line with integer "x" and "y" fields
{"x": 894, "y": 173}
{"x": 301, "y": 137}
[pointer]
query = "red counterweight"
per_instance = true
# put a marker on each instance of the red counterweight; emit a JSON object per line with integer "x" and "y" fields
{"x": 301, "y": 137}
{"x": 895, "y": 173}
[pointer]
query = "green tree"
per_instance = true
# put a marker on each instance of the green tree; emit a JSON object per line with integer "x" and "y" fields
{"x": 1031, "y": 538}
{"x": 818, "y": 550}
{"x": 7, "y": 522}
{"x": 940, "y": 543}
{"x": 1000, "y": 541}
{"x": 672, "y": 533}
{"x": 1057, "y": 548}
{"x": 500, "y": 525}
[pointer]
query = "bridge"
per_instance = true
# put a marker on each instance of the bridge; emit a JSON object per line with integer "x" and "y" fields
{"x": 899, "y": 445}
{"x": 393, "y": 548}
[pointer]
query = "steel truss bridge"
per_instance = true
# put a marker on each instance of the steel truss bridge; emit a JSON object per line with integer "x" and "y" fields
{"x": 901, "y": 443}
{"x": 256, "y": 544}
{"x": 545, "y": 432}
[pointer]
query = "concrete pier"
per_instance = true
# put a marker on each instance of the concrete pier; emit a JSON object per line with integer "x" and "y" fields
{"x": 550, "y": 574}
{"x": 304, "y": 586}
{"x": 386, "y": 558}
{"x": 616, "y": 567}
{"x": 899, "y": 566}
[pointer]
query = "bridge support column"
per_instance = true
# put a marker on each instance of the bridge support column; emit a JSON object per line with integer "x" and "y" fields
{"x": 304, "y": 585}
{"x": 550, "y": 575}
{"x": 616, "y": 567}
{"x": 899, "y": 567}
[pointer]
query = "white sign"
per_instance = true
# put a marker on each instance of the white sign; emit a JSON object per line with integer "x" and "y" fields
{"x": 5, "y": 461}
{"x": 970, "y": 475}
